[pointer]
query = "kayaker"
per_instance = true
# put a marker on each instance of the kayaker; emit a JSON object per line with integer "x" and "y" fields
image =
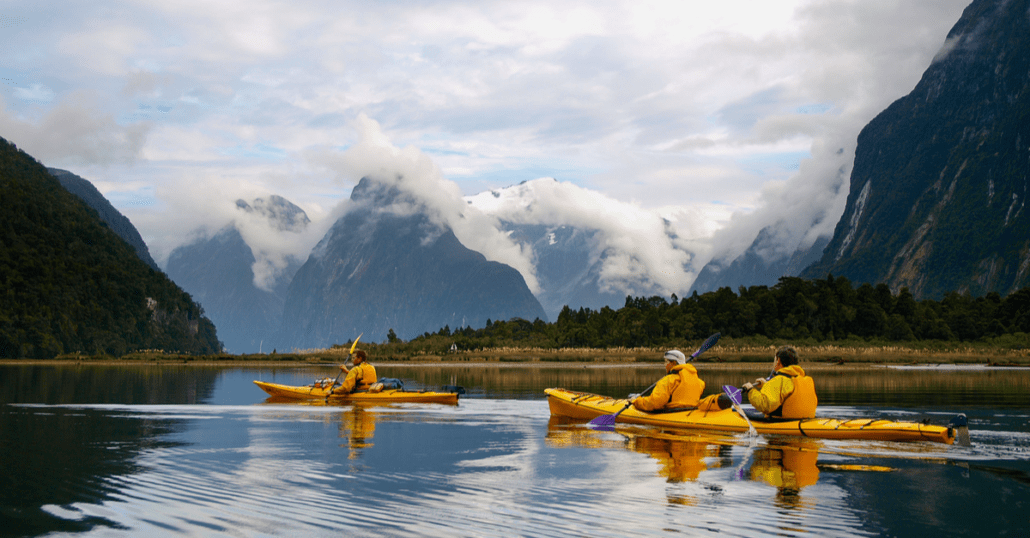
{"x": 679, "y": 388}
{"x": 360, "y": 377}
{"x": 788, "y": 393}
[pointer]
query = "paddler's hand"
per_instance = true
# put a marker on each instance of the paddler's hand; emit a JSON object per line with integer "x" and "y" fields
{"x": 632, "y": 397}
{"x": 344, "y": 368}
{"x": 747, "y": 387}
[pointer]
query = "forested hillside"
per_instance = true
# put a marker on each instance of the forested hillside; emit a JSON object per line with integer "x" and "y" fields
{"x": 825, "y": 310}
{"x": 69, "y": 284}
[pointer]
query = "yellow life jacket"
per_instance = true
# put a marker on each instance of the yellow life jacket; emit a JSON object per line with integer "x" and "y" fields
{"x": 802, "y": 401}
{"x": 688, "y": 392}
{"x": 360, "y": 378}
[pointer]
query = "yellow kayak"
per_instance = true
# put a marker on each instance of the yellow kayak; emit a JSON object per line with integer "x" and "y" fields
{"x": 317, "y": 392}
{"x": 586, "y": 406}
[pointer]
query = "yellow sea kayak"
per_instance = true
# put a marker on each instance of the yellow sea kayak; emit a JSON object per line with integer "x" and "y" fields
{"x": 316, "y": 392}
{"x": 586, "y": 406}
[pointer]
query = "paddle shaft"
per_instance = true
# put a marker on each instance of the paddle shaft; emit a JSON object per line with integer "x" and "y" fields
{"x": 609, "y": 420}
{"x": 630, "y": 402}
{"x": 736, "y": 400}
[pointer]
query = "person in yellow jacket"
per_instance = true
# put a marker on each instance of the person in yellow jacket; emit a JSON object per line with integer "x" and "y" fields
{"x": 360, "y": 377}
{"x": 788, "y": 393}
{"x": 680, "y": 387}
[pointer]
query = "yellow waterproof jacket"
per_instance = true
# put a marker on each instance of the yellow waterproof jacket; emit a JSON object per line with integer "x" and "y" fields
{"x": 358, "y": 378}
{"x": 679, "y": 388}
{"x": 789, "y": 394}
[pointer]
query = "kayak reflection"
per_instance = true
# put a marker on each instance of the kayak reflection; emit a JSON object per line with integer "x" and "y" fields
{"x": 787, "y": 464}
{"x": 357, "y": 421}
{"x": 357, "y": 427}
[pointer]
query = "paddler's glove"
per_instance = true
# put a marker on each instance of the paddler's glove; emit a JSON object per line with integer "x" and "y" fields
{"x": 747, "y": 387}
{"x": 632, "y": 397}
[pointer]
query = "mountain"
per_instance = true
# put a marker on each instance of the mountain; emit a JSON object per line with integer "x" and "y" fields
{"x": 762, "y": 264}
{"x": 381, "y": 267}
{"x": 567, "y": 269}
{"x": 68, "y": 283}
{"x": 115, "y": 220}
{"x": 941, "y": 177}
{"x": 582, "y": 256}
{"x": 219, "y": 272}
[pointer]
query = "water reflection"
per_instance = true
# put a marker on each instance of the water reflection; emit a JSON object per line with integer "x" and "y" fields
{"x": 357, "y": 427}
{"x": 789, "y": 467}
{"x": 837, "y": 385}
{"x": 786, "y": 464}
{"x": 496, "y": 464}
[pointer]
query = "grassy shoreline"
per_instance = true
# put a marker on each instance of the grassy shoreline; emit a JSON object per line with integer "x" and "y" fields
{"x": 721, "y": 354}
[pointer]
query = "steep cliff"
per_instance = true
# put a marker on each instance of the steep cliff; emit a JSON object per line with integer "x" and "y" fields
{"x": 941, "y": 177}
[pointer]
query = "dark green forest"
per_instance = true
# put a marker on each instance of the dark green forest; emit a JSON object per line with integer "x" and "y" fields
{"x": 69, "y": 284}
{"x": 797, "y": 310}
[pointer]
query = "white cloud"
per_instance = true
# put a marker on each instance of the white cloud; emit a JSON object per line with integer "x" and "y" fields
{"x": 697, "y": 111}
{"x": 412, "y": 172}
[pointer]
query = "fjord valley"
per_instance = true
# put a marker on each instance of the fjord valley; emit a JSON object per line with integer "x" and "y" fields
{"x": 932, "y": 249}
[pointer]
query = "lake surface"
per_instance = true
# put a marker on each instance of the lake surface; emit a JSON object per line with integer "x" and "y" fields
{"x": 195, "y": 450}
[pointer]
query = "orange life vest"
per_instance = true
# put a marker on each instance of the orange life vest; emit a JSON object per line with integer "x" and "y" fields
{"x": 802, "y": 402}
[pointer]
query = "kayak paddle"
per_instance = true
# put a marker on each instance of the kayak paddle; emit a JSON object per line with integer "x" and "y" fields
{"x": 736, "y": 398}
{"x": 609, "y": 420}
{"x": 349, "y": 356}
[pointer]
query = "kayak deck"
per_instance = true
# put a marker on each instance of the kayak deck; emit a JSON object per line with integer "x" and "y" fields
{"x": 316, "y": 392}
{"x": 586, "y": 406}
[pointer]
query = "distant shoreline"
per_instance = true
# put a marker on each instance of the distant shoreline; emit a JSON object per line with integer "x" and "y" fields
{"x": 720, "y": 357}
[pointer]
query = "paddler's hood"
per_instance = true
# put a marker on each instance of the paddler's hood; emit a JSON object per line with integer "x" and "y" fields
{"x": 793, "y": 370}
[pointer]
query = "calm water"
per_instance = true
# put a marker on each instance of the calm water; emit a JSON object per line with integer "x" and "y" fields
{"x": 190, "y": 450}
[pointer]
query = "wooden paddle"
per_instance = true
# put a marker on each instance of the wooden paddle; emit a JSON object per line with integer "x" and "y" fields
{"x": 609, "y": 420}
{"x": 349, "y": 357}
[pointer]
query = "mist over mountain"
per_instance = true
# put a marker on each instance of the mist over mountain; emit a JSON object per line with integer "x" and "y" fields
{"x": 941, "y": 177}
{"x": 758, "y": 265}
{"x": 387, "y": 264}
{"x": 568, "y": 266}
{"x": 588, "y": 250}
{"x": 219, "y": 271}
{"x": 121, "y": 225}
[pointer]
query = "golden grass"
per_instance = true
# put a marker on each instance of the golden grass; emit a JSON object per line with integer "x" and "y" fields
{"x": 728, "y": 353}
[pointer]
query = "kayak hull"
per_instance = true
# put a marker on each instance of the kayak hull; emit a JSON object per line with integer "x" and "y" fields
{"x": 310, "y": 392}
{"x": 586, "y": 406}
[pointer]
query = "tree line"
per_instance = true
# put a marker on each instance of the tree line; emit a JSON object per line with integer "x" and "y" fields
{"x": 832, "y": 309}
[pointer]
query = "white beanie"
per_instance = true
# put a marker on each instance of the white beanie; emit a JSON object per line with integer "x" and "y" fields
{"x": 676, "y": 355}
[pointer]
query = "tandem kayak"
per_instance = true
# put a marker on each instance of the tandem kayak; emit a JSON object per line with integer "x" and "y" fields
{"x": 586, "y": 406}
{"x": 316, "y": 392}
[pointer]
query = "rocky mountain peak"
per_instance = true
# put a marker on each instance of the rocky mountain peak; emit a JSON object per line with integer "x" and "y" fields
{"x": 284, "y": 214}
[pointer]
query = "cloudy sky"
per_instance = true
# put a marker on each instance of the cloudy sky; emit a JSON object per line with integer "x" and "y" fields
{"x": 722, "y": 117}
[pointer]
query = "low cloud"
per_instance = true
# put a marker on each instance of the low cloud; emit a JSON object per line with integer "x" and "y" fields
{"x": 76, "y": 132}
{"x": 413, "y": 172}
{"x": 640, "y": 256}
